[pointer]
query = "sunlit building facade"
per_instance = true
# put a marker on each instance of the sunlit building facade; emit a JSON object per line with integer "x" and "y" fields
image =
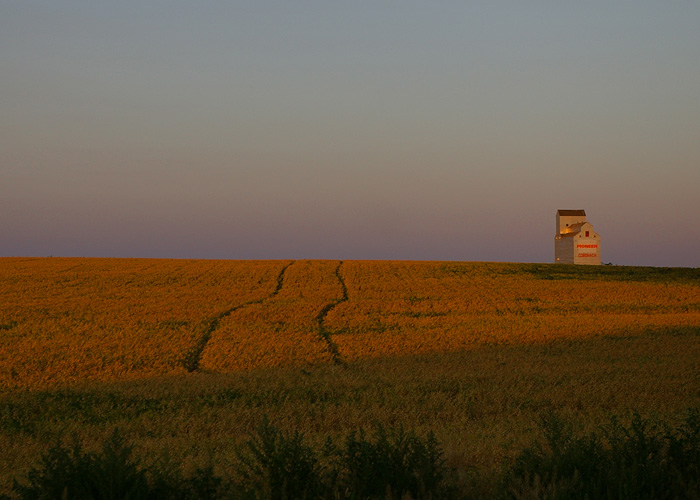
{"x": 576, "y": 242}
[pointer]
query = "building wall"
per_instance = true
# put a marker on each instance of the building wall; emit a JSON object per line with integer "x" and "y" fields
{"x": 563, "y": 250}
{"x": 563, "y": 221}
{"x": 586, "y": 250}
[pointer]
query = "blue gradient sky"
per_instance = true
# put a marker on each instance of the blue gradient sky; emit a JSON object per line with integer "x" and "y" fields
{"x": 354, "y": 130}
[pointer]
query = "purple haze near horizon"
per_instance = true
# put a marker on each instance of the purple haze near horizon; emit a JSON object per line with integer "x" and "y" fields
{"x": 354, "y": 130}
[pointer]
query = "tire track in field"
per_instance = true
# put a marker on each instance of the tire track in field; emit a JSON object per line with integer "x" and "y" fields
{"x": 193, "y": 357}
{"x": 320, "y": 318}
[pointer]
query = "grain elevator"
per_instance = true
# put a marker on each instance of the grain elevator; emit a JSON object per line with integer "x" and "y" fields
{"x": 575, "y": 241}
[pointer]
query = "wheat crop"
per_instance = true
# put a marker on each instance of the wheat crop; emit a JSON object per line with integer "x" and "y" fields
{"x": 66, "y": 320}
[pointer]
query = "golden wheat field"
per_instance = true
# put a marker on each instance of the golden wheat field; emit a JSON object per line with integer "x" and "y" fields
{"x": 187, "y": 356}
{"x": 65, "y": 320}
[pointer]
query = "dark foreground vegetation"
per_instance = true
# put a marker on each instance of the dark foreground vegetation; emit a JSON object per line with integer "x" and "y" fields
{"x": 644, "y": 459}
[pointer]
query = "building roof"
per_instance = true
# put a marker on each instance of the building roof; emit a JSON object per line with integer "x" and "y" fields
{"x": 568, "y": 213}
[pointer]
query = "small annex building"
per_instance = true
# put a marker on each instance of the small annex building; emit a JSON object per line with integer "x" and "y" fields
{"x": 576, "y": 242}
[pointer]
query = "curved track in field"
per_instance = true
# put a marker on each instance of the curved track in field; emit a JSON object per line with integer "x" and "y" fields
{"x": 320, "y": 318}
{"x": 192, "y": 359}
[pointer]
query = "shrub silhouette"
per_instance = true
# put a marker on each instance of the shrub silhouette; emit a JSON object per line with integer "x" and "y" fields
{"x": 114, "y": 474}
{"x": 279, "y": 465}
{"x": 72, "y": 473}
{"x": 644, "y": 460}
{"x": 397, "y": 463}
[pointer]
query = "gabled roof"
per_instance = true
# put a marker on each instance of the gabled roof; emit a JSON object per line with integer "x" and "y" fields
{"x": 574, "y": 213}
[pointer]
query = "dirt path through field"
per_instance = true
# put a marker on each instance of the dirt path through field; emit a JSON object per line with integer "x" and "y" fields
{"x": 286, "y": 330}
{"x": 193, "y": 357}
{"x": 322, "y": 330}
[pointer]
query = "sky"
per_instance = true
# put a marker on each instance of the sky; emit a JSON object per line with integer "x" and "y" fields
{"x": 441, "y": 130}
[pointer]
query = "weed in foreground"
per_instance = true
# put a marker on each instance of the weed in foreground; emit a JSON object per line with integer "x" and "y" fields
{"x": 644, "y": 460}
{"x": 399, "y": 462}
{"x": 73, "y": 473}
{"x": 279, "y": 465}
{"x": 113, "y": 474}
{"x": 272, "y": 465}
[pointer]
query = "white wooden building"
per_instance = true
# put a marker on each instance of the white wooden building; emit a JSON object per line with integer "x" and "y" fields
{"x": 576, "y": 242}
